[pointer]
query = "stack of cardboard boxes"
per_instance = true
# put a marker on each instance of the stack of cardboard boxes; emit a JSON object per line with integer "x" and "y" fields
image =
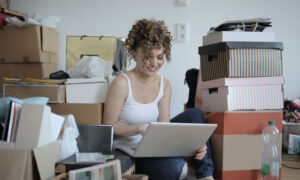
{"x": 242, "y": 88}
{"x": 27, "y": 52}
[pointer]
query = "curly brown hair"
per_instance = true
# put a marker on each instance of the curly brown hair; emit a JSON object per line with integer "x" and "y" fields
{"x": 149, "y": 34}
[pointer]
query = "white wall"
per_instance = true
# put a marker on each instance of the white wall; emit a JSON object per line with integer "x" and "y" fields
{"x": 115, "y": 18}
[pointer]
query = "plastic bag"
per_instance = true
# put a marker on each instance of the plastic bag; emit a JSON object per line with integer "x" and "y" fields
{"x": 50, "y": 21}
{"x": 90, "y": 66}
{"x": 68, "y": 144}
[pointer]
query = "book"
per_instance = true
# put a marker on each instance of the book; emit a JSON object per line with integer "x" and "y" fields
{"x": 110, "y": 170}
{"x": 90, "y": 157}
{"x": 17, "y": 111}
{"x": 6, "y": 122}
{"x": 224, "y": 36}
{"x": 11, "y": 122}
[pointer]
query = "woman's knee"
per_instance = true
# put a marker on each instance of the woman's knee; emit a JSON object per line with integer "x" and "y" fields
{"x": 196, "y": 115}
{"x": 192, "y": 115}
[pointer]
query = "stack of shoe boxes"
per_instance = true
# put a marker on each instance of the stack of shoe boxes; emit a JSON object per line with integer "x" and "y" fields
{"x": 242, "y": 87}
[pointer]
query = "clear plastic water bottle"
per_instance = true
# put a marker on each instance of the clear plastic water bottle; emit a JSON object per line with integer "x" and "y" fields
{"x": 270, "y": 158}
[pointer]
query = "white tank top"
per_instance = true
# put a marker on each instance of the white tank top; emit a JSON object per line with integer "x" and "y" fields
{"x": 133, "y": 113}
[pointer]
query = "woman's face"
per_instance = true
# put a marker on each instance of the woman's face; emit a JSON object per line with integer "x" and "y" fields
{"x": 149, "y": 65}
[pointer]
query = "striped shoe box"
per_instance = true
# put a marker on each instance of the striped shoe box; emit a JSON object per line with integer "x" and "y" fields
{"x": 241, "y": 59}
{"x": 231, "y": 94}
{"x": 237, "y": 143}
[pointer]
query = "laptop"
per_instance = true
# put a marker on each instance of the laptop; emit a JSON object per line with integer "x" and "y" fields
{"x": 95, "y": 138}
{"x": 171, "y": 140}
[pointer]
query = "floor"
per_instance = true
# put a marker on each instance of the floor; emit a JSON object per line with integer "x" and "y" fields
{"x": 287, "y": 173}
{"x": 290, "y": 173}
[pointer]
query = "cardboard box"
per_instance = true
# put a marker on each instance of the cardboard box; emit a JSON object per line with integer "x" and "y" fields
{"x": 229, "y": 94}
{"x": 238, "y": 155}
{"x": 20, "y": 164}
{"x": 55, "y": 93}
{"x": 237, "y": 144}
{"x": 83, "y": 113}
{"x": 241, "y": 59}
{"x": 28, "y": 44}
{"x": 86, "y": 90}
{"x": 243, "y": 122}
{"x": 224, "y": 36}
{"x": 25, "y": 70}
{"x": 34, "y": 126}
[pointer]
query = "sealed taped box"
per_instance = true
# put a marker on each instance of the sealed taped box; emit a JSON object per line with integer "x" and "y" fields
{"x": 55, "y": 93}
{"x": 228, "y": 94}
{"x": 84, "y": 113}
{"x": 25, "y": 70}
{"x": 237, "y": 143}
{"x": 243, "y": 122}
{"x": 28, "y": 44}
{"x": 241, "y": 59}
{"x": 238, "y": 156}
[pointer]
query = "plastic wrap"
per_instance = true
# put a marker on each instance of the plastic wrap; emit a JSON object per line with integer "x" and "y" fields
{"x": 68, "y": 143}
{"x": 90, "y": 66}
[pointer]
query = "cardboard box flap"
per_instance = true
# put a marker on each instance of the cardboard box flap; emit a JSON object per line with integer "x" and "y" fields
{"x": 49, "y": 44}
{"x": 33, "y": 129}
{"x": 242, "y": 82}
{"x": 45, "y": 164}
{"x": 231, "y": 45}
{"x": 18, "y": 164}
{"x": 7, "y": 145}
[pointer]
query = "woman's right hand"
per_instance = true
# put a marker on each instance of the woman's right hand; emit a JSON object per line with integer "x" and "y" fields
{"x": 142, "y": 128}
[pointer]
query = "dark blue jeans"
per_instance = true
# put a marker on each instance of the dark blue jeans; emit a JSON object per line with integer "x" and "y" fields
{"x": 169, "y": 168}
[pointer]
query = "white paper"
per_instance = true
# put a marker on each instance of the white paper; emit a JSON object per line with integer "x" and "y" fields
{"x": 56, "y": 125}
{"x": 89, "y": 157}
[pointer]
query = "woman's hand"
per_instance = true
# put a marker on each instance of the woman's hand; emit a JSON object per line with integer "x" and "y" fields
{"x": 201, "y": 153}
{"x": 142, "y": 128}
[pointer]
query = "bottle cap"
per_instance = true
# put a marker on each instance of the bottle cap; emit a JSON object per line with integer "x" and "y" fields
{"x": 271, "y": 122}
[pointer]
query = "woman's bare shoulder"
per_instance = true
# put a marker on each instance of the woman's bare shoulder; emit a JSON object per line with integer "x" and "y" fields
{"x": 119, "y": 85}
{"x": 120, "y": 81}
{"x": 166, "y": 82}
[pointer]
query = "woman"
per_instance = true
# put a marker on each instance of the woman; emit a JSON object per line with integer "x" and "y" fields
{"x": 140, "y": 96}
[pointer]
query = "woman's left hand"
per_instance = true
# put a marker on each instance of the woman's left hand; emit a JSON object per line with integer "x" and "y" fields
{"x": 201, "y": 153}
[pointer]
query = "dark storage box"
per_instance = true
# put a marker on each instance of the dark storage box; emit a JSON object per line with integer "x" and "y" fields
{"x": 241, "y": 59}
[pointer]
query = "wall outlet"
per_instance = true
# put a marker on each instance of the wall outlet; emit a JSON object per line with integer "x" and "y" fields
{"x": 182, "y": 32}
{"x": 182, "y": 2}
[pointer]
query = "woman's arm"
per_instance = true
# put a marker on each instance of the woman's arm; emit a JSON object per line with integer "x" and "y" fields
{"x": 164, "y": 103}
{"x": 115, "y": 98}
